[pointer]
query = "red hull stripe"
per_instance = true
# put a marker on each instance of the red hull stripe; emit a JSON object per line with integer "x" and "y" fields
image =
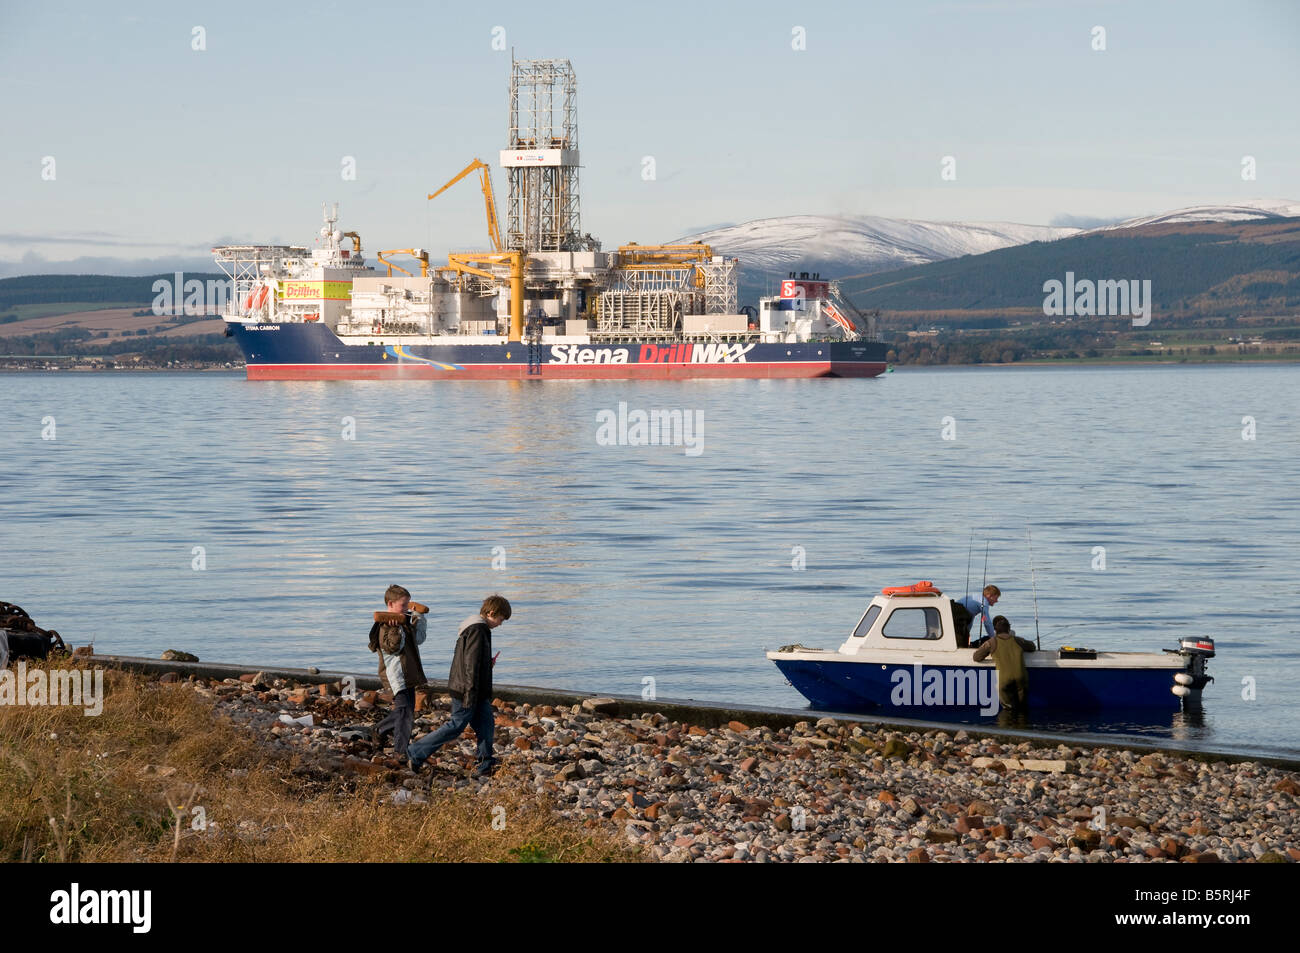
{"x": 498, "y": 372}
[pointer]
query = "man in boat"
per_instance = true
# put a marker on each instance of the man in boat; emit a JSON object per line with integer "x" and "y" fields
{"x": 1008, "y": 651}
{"x": 979, "y": 608}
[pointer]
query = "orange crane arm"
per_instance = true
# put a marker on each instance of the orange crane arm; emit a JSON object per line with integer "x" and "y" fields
{"x": 494, "y": 232}
{"x": 418, "y": 253}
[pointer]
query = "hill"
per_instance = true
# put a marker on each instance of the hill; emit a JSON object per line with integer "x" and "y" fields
{"x": 1196, "y": 270}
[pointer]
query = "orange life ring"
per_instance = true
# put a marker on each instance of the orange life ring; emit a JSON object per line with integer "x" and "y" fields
{"x": 922, "y": 588}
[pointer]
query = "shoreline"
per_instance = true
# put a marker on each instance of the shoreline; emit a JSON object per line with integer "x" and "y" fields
{"x": 707, "y": 713}
{"x": 677, "y": 791}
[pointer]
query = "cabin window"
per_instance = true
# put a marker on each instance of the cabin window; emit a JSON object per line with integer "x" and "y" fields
{"x": 913, "y": 624}
{"x": 867, "y": 622}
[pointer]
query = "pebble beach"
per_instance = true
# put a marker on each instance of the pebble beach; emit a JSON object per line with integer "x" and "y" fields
{"x": 817, "y": 791}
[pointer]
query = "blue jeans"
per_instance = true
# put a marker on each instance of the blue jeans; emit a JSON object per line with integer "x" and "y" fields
{"x": 482, "y": 719}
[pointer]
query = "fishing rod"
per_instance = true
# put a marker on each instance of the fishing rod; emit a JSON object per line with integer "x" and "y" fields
{"x": 984, "y": 600}
{"x": 969, "y": 549}
{"x": 1034, "y": 581}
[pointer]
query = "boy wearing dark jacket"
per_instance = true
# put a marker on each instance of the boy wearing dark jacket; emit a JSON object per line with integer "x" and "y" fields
{"x": 397, "y": 635}
{"x": 470, "y": 687}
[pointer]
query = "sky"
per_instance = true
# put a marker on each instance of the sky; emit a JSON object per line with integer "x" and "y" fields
{"x": 128, "y": 150}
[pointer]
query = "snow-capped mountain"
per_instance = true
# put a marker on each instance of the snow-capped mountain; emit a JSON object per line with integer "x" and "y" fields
{"x": 843, "y": 246}
{"x": 1247, "y": 211}
{"x": 837, "y": 247}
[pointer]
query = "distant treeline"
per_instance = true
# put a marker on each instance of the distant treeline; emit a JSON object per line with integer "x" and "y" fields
{"x": 77, "y": 342}
{"x": 1191, "y": 273}
{"x": 53, "y": 289}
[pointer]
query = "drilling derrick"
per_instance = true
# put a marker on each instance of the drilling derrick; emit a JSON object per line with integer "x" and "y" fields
{"x": 541, "y": 161}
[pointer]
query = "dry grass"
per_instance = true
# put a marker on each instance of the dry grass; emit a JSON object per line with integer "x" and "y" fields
{"x": 107, "y": 788}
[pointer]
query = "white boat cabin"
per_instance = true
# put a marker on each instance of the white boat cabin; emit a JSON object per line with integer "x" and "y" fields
{"x": 913, "y": 623}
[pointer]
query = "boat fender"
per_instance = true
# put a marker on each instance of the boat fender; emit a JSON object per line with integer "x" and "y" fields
{"x": 1182, "y": 678}
{"x": 1182, "y": 691}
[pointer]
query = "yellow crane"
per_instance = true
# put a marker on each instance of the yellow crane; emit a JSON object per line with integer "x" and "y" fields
{"x": 494, "y": 233}
{"x": 468, "y": 263}
{"x": 634, "y": 257}
{"x": 417, "y": 253}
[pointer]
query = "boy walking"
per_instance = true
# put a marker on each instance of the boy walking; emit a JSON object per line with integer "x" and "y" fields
{"x": 396, "y": 636}
{"x": 470, "y": 687}
{"x": 1008, "y": 651}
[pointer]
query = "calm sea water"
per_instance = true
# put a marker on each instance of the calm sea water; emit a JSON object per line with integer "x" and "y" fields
{"x": 628, "y": 562}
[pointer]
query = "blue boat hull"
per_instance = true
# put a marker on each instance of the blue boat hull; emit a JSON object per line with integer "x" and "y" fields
{"x": 900, "y": 690}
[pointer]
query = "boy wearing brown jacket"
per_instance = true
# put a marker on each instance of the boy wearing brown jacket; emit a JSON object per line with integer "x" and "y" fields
{"x": 396, "y": 636}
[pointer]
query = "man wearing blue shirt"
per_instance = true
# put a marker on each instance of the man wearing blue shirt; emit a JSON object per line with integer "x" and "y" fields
{"x": 979, "y": 608}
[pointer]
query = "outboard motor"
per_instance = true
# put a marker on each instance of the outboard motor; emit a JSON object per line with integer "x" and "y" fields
{"x": 1197, "y": 650}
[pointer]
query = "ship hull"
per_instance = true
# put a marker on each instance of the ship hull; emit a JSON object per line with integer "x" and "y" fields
{"x": 312, "y": 352}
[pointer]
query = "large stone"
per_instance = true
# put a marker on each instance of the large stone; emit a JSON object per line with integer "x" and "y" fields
{"x": 600, "y": 706}
{"x": 174, "y": 655}
{"x": 1085, "y": 838}
{"x": 896, "y": 748}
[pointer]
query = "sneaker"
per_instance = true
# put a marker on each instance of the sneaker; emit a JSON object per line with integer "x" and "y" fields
{"x": 486, "y": 770}
{"x": 413, "y": 765}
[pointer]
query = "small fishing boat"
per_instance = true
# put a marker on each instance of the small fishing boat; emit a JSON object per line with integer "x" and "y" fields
{"x": 903, "y": 658}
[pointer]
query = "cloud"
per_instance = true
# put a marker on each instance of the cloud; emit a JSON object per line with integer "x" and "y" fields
{"x": 32, "y": 263}
{"x": 85, "y": 238}
{"x": 1085, "y": 221}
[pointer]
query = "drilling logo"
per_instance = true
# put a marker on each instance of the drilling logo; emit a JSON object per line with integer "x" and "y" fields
{"x": 945, "y": 688}
{"x": 713, "y": 353}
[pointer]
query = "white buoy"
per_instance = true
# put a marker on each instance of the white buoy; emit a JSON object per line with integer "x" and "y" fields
{"x": 1182, "y": 691}
{"x": 1182, "y": 678}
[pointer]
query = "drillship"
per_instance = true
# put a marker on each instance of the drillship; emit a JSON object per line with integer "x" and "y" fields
{"x": 545, "y": 303}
